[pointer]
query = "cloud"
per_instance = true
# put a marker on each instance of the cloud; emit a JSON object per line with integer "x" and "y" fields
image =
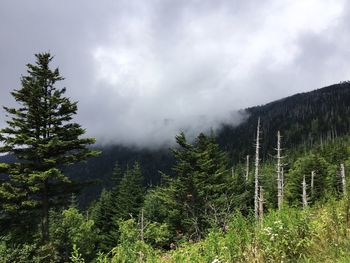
{"x": 144, "y": 70}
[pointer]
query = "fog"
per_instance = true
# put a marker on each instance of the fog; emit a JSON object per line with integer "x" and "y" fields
{"x": 144, "y": 70}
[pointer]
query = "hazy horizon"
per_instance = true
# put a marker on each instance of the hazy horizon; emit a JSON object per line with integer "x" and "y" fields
{"x": 144, "y": 70}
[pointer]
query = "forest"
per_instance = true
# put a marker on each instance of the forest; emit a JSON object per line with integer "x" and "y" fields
{"x": 273, "y": 189}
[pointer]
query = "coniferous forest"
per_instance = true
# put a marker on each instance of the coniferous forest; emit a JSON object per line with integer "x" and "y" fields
{"x": 272, "y": 189}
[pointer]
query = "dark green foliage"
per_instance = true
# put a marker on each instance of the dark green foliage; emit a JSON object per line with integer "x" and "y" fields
{"x": 304, "y": 119}
{"x": 122, "y": 202}
{"x": 72, "y": 227}
{"x": 102, "y": 214}
{"x": 203, "y": 199}
{"x": 43, "y": 138}
{"x": 130, "y": 194}
{"x": 242, "y": 190}
{"x": 200, "y": 195}
{"x": 100, "y": 169}
{"x": 161, "y": 206}
{"x": 303, "y": 167}
{"x": 104, "y": 211}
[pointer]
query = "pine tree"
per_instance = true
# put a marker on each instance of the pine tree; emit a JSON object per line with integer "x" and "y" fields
{"x": 117, "y": 175}
{"x": 102, "y": 214}
{"x": 305, "y": 166}
{"x": 123, "y": 201}
{"x": 130, "y": 193}
{"x": 201, "y": 185}
{"x": 43, "y": 138}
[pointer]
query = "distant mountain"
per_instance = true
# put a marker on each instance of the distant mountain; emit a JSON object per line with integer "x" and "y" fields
{"x": 303, "y": 118}
{"x": 98, "y": 170}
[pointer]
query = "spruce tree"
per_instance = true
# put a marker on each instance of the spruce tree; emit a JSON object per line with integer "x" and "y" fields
{"x": 130, "y": 193}
{"x": 41, "y": 135}
{"x": 303, "y": 167}
{"x": 104, "y": 211}
{"x": 201, "y": 185}
{"x": 121, "y": 202}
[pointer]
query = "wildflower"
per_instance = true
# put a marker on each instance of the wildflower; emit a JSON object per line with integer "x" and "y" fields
{"x": 216, "y": 260}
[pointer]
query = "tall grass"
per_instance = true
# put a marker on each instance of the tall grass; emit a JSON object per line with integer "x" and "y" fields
{"x": 317, "y": 234}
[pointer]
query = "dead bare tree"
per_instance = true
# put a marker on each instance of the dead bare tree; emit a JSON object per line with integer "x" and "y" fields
{"x": 312, "y": 182}
{"x": 305, "y": 203}
{"x": 282, "y": 182}
{"x": 142, "y": 226}
{"x": 343, "y": 180}
{"x": 256, "y": 193}
{"x": 247, "y": 169}
{"x": 279, "y": 172}
{"x": 261, "y": 204}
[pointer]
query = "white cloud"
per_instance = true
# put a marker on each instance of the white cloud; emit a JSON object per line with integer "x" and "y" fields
{"x": 143, "y": 70}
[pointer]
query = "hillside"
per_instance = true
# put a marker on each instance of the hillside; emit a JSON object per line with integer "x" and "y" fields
{"x": 303, "y": 118}
{"x": 195, "y": 215}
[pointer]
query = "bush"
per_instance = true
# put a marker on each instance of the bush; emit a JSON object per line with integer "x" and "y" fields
{"x": 285, "y": 235}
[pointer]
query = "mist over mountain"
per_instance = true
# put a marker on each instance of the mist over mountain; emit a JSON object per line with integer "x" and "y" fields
{"x": 129, "y": 131}
{"x": 303, "y": 119}
{"x": 144, "y": 70}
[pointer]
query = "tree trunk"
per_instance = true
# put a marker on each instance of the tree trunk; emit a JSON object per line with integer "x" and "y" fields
{"x": 279, "y": 172}
{"x": 247, "y": 169}
{"x": 256, "y": 194}
{"x": 304, "y": 193}
{"x": 343, "y": 180}
{"x": 312, "y": 183}
{"x": 142, "y": 226}
{"x": 282, "y": 182}
{"x": 261, "y": 205}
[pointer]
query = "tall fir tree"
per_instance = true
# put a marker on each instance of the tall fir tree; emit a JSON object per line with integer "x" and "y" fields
{"x": 41, "y": 135}
{"x": 304, "y": 167}
{"x": 130, "y": 193}
{"x": 122, "y": 201}
{"x": 201, "y": 187}
{"x": 105, "y": 209}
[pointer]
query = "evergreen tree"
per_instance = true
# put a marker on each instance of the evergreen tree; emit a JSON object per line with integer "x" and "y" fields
{"x": 70, "y": 227}
{"x": 104, "y": 210}
{"x": 130, "y": 193}
{"x": 303, "y": 167}
{"x": 43, "y": 138}
{"x": 117, "y": 175}
{"x": 102, "y": 214}
{"x": 201, "y": 188}
{"x": 122, "y": 201}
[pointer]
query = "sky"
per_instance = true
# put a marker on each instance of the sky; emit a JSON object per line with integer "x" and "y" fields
{"x": 144, "y": 70}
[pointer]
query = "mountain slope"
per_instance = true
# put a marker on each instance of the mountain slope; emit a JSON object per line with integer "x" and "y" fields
{"x": 303, "y": 118}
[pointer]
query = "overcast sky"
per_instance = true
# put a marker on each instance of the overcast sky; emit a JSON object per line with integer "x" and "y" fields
{"x": 143, "y": 70}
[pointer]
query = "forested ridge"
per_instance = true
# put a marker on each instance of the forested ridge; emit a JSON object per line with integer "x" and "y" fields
{"x": 305, "y": 119}
{"x": 273, "y": 189}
